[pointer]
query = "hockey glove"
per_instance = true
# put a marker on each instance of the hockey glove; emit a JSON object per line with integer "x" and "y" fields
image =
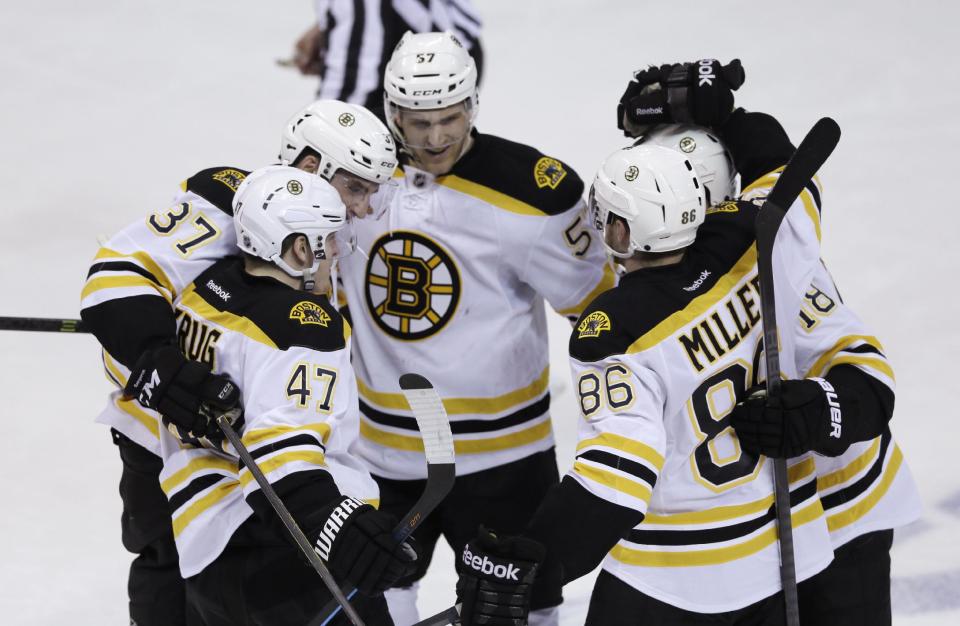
{"x": 356, "y": 542}
{"x": 186, "y": 393}
{"x": 698, "y": 93}
{"x": 808, "y": 416}
{"x": 495, "y": 579}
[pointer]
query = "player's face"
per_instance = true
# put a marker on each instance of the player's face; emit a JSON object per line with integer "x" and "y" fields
{"x": 354, "y": 191}
{"x": 435, "y": 138}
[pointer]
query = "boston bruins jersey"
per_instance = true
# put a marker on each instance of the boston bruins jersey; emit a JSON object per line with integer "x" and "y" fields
{"x": 451, "y": 284}
{"x": 136, "y": 276}
{"x": 658, "y": 364}
{"x": 288, "y": 351}
{"x": 868, "y": 487}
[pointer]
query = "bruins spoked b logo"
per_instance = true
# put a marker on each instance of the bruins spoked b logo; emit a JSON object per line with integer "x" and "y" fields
{"x": 412, "y": 285}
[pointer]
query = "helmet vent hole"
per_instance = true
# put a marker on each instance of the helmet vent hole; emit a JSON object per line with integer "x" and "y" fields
{"x": 658, "y": 185}
{"x": 689, "y": 167}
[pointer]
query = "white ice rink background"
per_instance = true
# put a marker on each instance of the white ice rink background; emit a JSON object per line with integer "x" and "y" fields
{"x": 106, "y": 106}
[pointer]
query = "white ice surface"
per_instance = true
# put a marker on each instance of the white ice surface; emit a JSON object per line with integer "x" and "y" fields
{"x": 106, "y": 106}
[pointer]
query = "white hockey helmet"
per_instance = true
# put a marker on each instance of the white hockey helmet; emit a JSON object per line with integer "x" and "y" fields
{"x": 275, "y": 202}
{"x": 656, "y": 191}
{"x": 429, "y": 71}
{"x": 711, "y": 159}
{"x": 346, "y": 136}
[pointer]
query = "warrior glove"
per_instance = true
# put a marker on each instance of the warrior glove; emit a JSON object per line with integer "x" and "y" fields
{"x": 495, "y": 579}
{"x": 809, "y": 416}
{"x": 356, "y": 542}
{"x": 186, "y": 393}
{"x": 699, "y": 93}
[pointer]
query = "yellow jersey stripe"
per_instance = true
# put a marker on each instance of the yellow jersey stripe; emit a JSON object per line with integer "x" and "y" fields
{"x": 606, "y": 283}
{"x": 111, "y": 365}
{"x": 616, "y": 482}
{"x": 699, "y": 305}
{"x": 463, "y": 406}
{"x": 795, "y": 473}
{"x": 143, "y": 259}
{"x": 491, "y": 196}
{"x": 132, "y": 407}
{"x": 623, "y": 444}
{"x": 218, "y": 493}
{"x": 253, "y": 437}
{"x": 226, "y": 319}
{"x": 460, "y": 446}
{"x": 198, "y": 464}
{"x": 874, "y": 362}
{"x": 817, "y": 369}
{"x": 303, "y": 456}
{"x": 713, "y": 556}
{"x": 845, "y": 518}
{"x": 114, "y": 282}
{"x": 855, "y": 467}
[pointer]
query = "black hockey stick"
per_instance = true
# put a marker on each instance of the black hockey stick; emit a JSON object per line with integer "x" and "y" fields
{"x": 427, "y": 408}
{"x": 43, "y": 324}
{"x": 225, "y": 425}
{"x": 813, "y": 151}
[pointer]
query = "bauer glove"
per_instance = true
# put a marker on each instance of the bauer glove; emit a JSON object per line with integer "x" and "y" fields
{"x": 356, "y": 542}
{"x": 495, "y": 579}
{"x": 699, "y": 93}
{"x": 186, "y": 393}
{"x": 808, "y": 416}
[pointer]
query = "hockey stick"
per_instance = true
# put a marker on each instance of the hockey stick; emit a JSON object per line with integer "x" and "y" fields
{"x": 224, "y": 422}
{"x": 813, "y": 151}
{"x": 427, "y": 408}
{"x": 43, "y": 324}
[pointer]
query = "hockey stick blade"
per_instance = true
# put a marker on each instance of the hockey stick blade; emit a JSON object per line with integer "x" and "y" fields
{"x": 267, "y": 489}
{"x": 43, "y": 324}
{"x": 812, "y": 153}
{"x": 434, "y": 425}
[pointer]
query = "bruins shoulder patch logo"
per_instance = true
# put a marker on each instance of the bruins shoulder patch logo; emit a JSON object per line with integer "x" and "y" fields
{"x": 548, "y": 172}
{"x": 593, "y": 324}
{"x": 724, "y": 207}
{"x": 307, "y": 312}
{"x": 412, "y": 285}
{"x": 230, "y": 178}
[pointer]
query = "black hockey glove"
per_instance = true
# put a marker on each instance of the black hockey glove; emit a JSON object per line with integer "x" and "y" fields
{"x": 809, "y": 416}
{"x": 698, "y": 93}
{"x": 495, "y": 579}
{"x": 356, "y": 542}
{"x": 186, "y": 393}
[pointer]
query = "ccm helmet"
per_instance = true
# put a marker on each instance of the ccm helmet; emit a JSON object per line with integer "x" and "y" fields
{"x": 709, "y": 156}
{"x": 429, "y": 71}
{"x": 275, "y": 202}
{"x": 656, "y": 191}
{"x": 346, "y": 136}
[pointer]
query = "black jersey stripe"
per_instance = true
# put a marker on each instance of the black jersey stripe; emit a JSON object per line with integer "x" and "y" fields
{"x": 609, "y": 459}
{"x": 302, "y": 439}
{"x": 864, "y": 349}
{"x": 812, "y": 188}
{"x": 842, "y": 496}
{"x": 352, "y": 66}
{"x": 195, "y": 486}
{"x": 462, "y": 427}
{"x": 723, "y": 533}
{"x": 122, "y": 266}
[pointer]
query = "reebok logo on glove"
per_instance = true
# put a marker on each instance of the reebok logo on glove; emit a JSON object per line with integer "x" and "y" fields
{"x": 333, "y": 525}
{"x": 705, "y": 69}
{"x": 486, "y": 566}
{"x": 836, "y": 416}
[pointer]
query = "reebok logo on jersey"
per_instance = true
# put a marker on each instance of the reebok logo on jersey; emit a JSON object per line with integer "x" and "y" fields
{"x": 696, "y": 284}
{"x": 217, "y": 289}
{"x": 484, "y": 565}
{"x": 333, "y": 525}
{"x": 836, "y": 416}
{"x": 705, "y": 69}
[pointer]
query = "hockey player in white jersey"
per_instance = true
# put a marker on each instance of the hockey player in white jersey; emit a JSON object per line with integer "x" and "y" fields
{"x": 480, "y": 235}
{"x": 126, "y": 302}
{"x": 661, "y": 491}
{"x": 264, "y": 321}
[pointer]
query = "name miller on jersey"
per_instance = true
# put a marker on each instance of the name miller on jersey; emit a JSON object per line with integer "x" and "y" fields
{"x": 724, "y": 326}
